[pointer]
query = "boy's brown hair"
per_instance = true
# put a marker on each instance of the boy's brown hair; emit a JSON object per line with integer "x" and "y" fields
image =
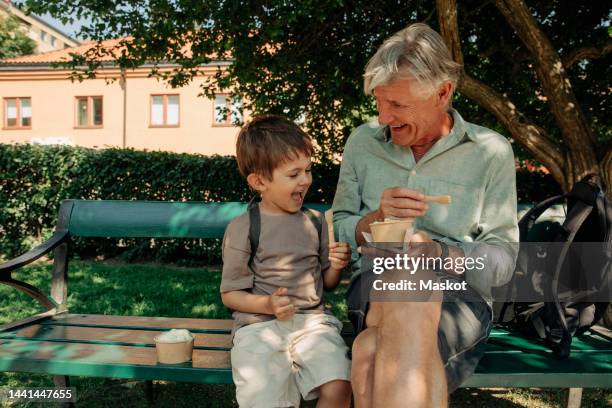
{"x": 268, "y": 141}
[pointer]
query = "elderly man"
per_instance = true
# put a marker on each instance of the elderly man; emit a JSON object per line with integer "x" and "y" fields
{"x": 414, "y": 353}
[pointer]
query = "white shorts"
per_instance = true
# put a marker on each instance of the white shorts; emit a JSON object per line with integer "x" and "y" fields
{"x": 276, "y": 362}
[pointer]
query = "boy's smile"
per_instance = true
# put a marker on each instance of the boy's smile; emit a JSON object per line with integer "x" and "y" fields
{"x": 285, "y": 193}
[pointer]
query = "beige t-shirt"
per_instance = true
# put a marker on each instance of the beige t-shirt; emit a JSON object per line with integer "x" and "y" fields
{"x": 289, "y": 255}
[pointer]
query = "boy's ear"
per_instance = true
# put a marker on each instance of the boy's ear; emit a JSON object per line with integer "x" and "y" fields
{"x": 256, "y": 182}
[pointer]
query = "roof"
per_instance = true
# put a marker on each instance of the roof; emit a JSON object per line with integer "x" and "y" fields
{"x": 46, "y": 58}
{"x": 14, "y": 9}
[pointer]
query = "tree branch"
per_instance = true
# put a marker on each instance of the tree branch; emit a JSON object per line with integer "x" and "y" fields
{"x": 447, "y": 19}
{"x": 591, "y": 52}
{"x": 535, "y": 139}
{"x": 557, "y": 88}
{"x": 606, "y": 172}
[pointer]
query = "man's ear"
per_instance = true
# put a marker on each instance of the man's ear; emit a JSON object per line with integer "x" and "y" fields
{"x": 256, "y": 182}
{"x": 444, "y": 93}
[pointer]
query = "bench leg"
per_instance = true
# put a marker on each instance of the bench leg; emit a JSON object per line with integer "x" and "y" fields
{"x": 574, "y": 397}
{"x": 149, "y": 392}
{"x": 63, "y": 381}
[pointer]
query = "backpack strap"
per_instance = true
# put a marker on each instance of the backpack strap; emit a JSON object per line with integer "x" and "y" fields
{"x": 528, "y": 220}
{"x": 316, "y": 221}
{"x": 525, "y": 224}
{"x": 574, "y": 220}
{"x": 255, "y": 225}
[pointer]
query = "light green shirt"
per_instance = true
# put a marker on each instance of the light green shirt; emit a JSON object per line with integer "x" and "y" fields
{"x": 472, "y": 164}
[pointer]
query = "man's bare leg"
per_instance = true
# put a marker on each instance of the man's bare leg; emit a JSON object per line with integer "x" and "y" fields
{"x": 408, "y": 369}
{"x": 362, "y": 368}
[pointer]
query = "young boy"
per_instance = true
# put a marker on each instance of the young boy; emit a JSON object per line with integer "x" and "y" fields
{"x": 285, "y": 344}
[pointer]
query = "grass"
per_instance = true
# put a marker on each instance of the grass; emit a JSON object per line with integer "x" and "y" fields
{"x": 154, "y": 290}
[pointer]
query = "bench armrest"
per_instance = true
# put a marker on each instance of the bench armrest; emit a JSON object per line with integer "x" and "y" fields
{"x": 56, "y": 239}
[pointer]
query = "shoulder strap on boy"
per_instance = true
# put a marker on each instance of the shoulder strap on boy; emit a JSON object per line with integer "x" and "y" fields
{"x": 316, "y": 221}
{"x": 255, "y": 225}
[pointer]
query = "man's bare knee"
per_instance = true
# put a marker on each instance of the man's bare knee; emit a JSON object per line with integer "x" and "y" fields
{"x": 364, "y": 349}
{"x": 362, "y": 369}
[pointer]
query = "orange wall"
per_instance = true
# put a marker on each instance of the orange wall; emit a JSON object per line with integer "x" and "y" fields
{"x": 53, "y": 114}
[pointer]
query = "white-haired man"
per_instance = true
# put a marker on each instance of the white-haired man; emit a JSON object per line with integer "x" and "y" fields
{"x": 414, "y": 353}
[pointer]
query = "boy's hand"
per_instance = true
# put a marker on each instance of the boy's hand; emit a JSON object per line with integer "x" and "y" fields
{"x": 339, "y": 255}
{"x": 281, "y": 305}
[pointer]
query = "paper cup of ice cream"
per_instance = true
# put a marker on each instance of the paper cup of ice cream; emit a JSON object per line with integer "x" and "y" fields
{"x": 391, "y": 230}
{"x": 174, "y": 346}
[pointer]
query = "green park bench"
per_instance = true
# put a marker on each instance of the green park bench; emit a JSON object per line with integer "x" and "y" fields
{"x": 62, "y": 344}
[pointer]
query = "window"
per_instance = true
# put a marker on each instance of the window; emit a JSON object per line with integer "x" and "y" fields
{"x": 43, "y": 36}
{"x": 164, "y": 110}
{"x": 53, "y": 41}
{"x": 17, "y": 113}
{"x": 89, "y": 112}
{"x": 227, "y": 111}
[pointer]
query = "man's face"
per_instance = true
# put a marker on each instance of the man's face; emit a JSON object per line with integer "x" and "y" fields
{"x": 414, "y": 119}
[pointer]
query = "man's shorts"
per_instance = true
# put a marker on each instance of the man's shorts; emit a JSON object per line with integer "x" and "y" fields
{"x": 465, "y": 325}
{"x": 275, "y": 362}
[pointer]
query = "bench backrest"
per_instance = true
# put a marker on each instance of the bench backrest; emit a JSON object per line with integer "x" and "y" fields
{"x": 154, "y": 219}
{"x": 163, "y": 219}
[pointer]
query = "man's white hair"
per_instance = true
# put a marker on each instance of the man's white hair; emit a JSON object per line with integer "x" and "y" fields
{"x": 416, "y": 52}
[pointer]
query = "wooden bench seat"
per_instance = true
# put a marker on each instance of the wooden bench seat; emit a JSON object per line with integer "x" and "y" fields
{"x": 123, "y": 347}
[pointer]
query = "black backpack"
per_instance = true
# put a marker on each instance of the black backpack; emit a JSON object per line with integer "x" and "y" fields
{"x": 548, "y": 268}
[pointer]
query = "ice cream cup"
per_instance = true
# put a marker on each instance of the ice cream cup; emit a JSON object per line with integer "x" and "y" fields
{"x": 391, "y": 230}
{"x": 171, "y": 351}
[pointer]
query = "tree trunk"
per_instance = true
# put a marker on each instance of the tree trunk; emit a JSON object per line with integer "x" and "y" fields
{"x": 566, "y": 165}
{"x": 557, "y": 88}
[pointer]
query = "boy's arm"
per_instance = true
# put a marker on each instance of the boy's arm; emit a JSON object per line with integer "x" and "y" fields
{"x": 277, "y": 304}
{"x": 331, "y": 278}
{"x": 243, "y": 301}
{"x": 339, "y": 256}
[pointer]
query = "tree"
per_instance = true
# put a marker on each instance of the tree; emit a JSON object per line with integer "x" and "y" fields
{"x": 13, "y": 41}
{"x": 577, "y": 155}
{"x": 540, "y": 74}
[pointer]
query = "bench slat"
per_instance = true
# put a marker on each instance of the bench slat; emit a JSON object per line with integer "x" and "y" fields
{"x": 139, "y": 338}
{"x": 96, "y": 360}
{"x": 154, "y": 219}
{"x": 220, "y": 326}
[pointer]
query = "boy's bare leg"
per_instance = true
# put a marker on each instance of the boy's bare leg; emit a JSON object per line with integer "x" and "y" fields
{"x": 362, "y": 368}
{"x": 335, "y": 394}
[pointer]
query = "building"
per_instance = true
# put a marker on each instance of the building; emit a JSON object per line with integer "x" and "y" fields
{"x": 46, "y": 37}
{"x": 41, "y": 105}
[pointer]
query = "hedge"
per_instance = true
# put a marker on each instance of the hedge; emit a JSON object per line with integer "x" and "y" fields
{"x": 34, "y": 179}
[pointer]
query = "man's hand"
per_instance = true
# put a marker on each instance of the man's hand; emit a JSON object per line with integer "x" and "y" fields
{"x": 400, "y": 202}
{"x": 281, "y": 305}
{"x": 339, "y": 255}
{"x": 421, "y": 244}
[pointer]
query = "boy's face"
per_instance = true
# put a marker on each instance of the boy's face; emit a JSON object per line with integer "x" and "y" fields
{"x": 286, "y": 191}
